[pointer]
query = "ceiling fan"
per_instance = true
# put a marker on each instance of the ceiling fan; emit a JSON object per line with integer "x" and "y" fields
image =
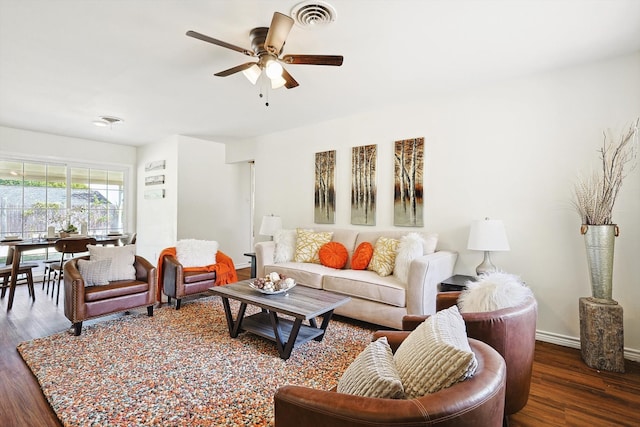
{"x": 266, "y": 45}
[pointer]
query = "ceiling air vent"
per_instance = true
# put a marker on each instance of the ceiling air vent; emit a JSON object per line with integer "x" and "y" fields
{"x": 313, "y": 14}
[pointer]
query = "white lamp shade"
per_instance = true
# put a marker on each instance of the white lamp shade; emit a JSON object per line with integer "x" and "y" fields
{"x": 252, "y": 73}
{"x": 488, "y": 235}
{"x": 270, "y": 224}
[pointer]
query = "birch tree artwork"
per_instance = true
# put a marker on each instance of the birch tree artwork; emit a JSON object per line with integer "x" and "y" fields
{"x": 363, "y": 184}
{"x": 324, "y": 194}
{"x": 408, "y": 185}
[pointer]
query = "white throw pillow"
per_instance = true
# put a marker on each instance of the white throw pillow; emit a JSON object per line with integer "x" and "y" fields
{"x": 493, "y": 291}
{"x": 94, "y": 273}
{"x": 435, "y": 355}
{"x": 410, "y": 248}
{"x": 373, "y": 373}
{"x": 196, "y": 253}
{"x": 429, "y": 243}
{"x": 285, "y": 241}
{"x": 122, "y": 259}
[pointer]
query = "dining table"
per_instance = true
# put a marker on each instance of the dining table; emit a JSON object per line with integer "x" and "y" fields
{"x": 18, "y": 247}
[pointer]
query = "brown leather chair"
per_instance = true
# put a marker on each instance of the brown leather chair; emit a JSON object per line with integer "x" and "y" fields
{"x": 177, "y": 283}
{"x": 82, "y": 303}
{"x": 511, "y": 331}
{"x": 477, "y": 401}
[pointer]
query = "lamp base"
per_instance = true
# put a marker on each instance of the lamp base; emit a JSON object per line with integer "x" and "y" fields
{"x": 486, "y": 266}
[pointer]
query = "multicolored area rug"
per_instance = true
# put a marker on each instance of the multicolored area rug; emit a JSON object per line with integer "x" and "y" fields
{"x": 180, "y": 368}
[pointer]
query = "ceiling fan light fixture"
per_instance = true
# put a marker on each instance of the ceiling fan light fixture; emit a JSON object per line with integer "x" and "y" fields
{"x": 252, "y": 73}
{"x": 273, "y": 69}
{"x": 278, "y": 82}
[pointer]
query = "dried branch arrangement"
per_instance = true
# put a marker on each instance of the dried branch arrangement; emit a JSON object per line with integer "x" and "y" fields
{"x": 596, "y": 194}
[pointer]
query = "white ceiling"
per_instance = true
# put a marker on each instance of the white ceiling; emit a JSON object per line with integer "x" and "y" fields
{"x": 64, "y": 63}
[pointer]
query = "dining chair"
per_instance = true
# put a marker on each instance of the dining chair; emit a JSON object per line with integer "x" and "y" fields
{"x": 25, "y": 270}
{"x": 67, "y": 246}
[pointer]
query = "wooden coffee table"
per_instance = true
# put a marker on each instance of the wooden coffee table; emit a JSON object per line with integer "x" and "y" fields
{"x": 301, "y": 302}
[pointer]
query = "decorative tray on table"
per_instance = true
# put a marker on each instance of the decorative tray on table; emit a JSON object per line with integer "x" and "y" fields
{"x": 273, "y": 284}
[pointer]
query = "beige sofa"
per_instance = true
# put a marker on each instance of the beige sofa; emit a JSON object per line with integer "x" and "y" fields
{"x": 375, "y": 299}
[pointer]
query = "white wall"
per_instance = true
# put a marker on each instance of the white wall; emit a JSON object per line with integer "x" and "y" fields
{"x": 509, "y": 151}
{"x": 29, "y": 145}
{"x": 157, "y": 218}
{"x": 205, "y": 198}
{"x": 213, "y": 200}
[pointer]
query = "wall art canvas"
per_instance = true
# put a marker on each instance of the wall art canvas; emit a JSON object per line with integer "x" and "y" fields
{"x": 155, "y": 165}
{"x": 154, "y": 180}
{"x": 363, "y": 184}
{"x": 408, "y": 183}
{"x": 325, "y": 193}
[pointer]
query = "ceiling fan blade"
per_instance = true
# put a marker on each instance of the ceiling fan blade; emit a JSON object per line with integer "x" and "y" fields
{"x": 290, "y": 81}
{"x": 278, "y": 31}
{"x": 235, "y": 69}
{"x": 335, "y": 60}
{"x": 219, "y": 43}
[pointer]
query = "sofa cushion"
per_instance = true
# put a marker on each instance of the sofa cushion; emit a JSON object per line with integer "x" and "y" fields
{"x": 410, "y": 248}
{"x": 94, "y": 273}
{"x": 384, "y": 256}
{"x": 429, "y": 243}
{"x": 303, "y": 273}
{"x": 308, "y": 244}
{"x": 367, "y": 285}
{"x": 122, "y": 259}
{"x": 373, "y": 373}
{"x": 333, "y": 254}
{"x": 285, "y": 241}
{"x": 435, "y": 355}
{"x": 362, "y": 256}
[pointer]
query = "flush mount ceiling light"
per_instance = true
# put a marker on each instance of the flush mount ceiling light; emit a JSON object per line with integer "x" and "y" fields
{"x": 104, "y": 121}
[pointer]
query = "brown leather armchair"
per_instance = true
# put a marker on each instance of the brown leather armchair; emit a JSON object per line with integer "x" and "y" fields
{"x": 177, "y": 283}
{"x": 477, "y": 401}
{"x": 82, "y": 303}
{"x": 511, "y": 331}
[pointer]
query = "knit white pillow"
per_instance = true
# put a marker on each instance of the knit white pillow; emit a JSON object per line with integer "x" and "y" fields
{"x": 435, "y": 355}
{"x": 196, "y": 253}
{"x": 373, "y": 373}
{"x": 493, "y": 291}
{"x": 285, "y": 241}
{"x": 410, "y": 248}
{"x": 94, "y": 273}
{"x": 429, "y": 243}
{"x": 122, "y": 259}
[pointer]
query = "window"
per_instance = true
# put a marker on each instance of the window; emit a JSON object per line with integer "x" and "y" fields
{"x": 35, "y": 196}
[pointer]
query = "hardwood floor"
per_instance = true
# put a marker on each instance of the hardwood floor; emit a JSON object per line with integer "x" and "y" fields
{"x": 564, "y": 391}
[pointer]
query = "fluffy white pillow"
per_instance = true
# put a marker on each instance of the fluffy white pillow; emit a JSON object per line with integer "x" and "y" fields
{"x": 196, "y": 253}
{"x": 493, "y": 291}
{"x": 410, "y": 248}
{"x": 373, "y": 373}
{"x": 94, "y": 273}
{"x": 435, "y": 355}
{"x": 122, "y": 259}
{"x": 285, "y": 241}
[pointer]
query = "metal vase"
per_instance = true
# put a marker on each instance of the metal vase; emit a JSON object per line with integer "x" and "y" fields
{"x": 599, "y": 241}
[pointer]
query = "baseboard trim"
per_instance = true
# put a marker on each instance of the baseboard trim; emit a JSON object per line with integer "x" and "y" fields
{"x": 573, "y": 342}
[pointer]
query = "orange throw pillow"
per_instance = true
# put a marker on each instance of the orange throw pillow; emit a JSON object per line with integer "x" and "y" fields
{"x": 333, "y": 254}
{"x": 362, "y": 256}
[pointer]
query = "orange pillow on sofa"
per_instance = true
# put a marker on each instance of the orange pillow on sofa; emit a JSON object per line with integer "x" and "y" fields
{"x": 333, "y": 254}
{"x": 362, "y": 256}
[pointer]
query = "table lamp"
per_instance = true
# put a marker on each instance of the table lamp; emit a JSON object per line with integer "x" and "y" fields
{"x": 270, "y": 224}
{"x": 487, "y": 235}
